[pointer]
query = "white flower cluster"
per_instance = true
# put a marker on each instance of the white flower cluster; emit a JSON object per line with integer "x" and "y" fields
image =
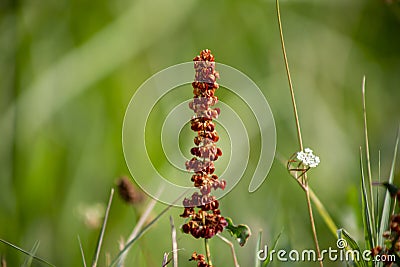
{"x": 308, "y": 158}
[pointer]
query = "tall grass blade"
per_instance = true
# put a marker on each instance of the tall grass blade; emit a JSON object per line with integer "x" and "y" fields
{"x": 143, "y": 231}
{"x": 28, "y": 260}
{"x": 268, "y": 260}
{"x": 103, "y": 229}
{"x": 378, "y": 204}
{"x": 82, "y": 253}
{"x": 140, "y": 233}
{"x": 387, "y": 202}
{"x": 366, "y": 214}
{"x": 323, "y": 213}
{"x": 174, "y": 242}
{"x": 368, "y": 184}
{"x": 26, "y": 252}
{"x": 143, "y": 219}
{"x": 258, "y": 248}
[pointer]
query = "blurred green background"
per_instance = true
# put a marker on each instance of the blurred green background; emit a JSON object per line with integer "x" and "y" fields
{"x": 69, "y": 68}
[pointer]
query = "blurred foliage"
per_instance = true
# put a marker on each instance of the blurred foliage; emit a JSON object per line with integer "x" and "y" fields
{"x": 69, "y": 68}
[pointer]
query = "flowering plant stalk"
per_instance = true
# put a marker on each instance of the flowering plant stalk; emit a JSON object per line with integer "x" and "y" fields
{"x": 202, "y": 209}
{"x": 305, "y": 159}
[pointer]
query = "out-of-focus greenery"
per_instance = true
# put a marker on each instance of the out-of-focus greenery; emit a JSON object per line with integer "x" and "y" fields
{"x": 69, "y": 68}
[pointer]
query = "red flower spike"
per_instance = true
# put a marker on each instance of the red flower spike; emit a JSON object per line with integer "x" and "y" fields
{"x": 202, "y": 209}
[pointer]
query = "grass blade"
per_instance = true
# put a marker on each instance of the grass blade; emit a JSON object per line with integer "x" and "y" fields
{"x": 140, "y": 233}
{"x": 103, "y": 229}
{"x": 370, "y": 195}
{"x": 26, "y": 252}
{"x": 174, "y": 243}
{"x": 323, "y": 213}
{"x": 82, "y": 253}
{"x": 387, "y": 202}
{"x": 366, "y": 214}
{"x": 28, "y": 261}
{"x": 144, "y": 230}
{"x": 351, "y": 245}
{"x": 258, "y": 248}
{"x": 378, "y": 204}
{"x": 268, "y": 260}
{"x": 143, "y": 218}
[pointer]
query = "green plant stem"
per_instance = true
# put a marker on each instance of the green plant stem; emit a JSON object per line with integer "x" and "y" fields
{"x": 304, "y": 180}
{"x": 208, "y": 253}
{"x": 314, "y": 230}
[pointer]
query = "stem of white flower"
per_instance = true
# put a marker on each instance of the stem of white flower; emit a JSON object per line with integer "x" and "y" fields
{"x": 304, "y": 181}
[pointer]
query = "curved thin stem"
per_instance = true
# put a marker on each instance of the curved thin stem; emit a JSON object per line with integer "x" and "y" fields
{"x": 235, "y": 261}
{"x": 296, "y": 116}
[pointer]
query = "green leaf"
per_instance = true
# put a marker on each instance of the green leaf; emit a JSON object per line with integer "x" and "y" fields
{"x": 241, "y": 232}
{"x": 352, "y": 245}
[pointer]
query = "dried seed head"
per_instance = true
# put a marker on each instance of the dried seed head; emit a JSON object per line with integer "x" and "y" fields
{"x": 201, "y": 208}
{"x": 128, "y": 192}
